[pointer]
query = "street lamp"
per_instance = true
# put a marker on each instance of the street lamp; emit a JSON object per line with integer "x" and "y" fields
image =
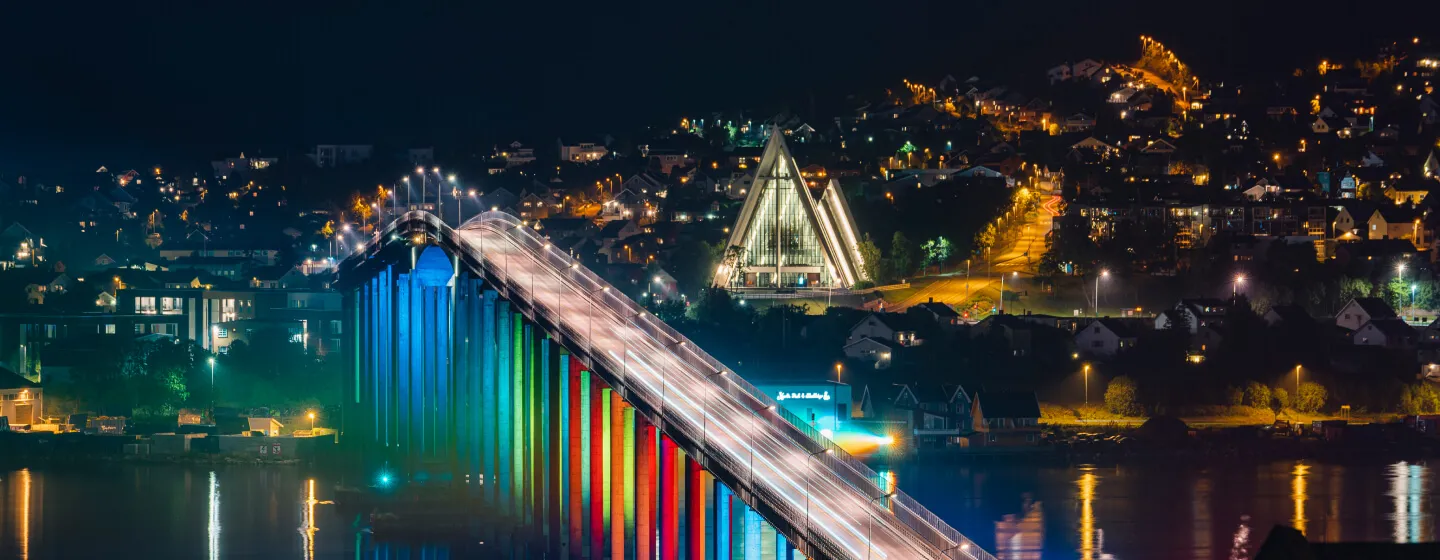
{"x": 212, "y": 388}
{"x": 1103, "y": 273}
{"x": 311, "y": 416}
{"x": 1297, "y": 381}
{"x": 1087, "y": 384}
{"x": 1235, "y": 288}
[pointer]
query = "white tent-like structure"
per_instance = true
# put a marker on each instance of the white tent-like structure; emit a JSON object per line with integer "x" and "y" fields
{"x": 788, "y": 238}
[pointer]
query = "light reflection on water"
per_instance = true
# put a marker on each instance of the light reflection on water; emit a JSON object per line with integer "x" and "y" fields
{"x": 1131, "y": 512}
{"x": 1169, "y": 511}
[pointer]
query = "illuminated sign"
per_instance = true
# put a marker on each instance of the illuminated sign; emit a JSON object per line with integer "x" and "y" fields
{"x": 783, "y": 396}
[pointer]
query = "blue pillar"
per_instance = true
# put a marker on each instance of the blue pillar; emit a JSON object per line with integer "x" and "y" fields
{"x": 752, "y": 534}
{"x": 505, "y": 415}
{"x": 722, "y": 521}
{"x": 489, "y": 408}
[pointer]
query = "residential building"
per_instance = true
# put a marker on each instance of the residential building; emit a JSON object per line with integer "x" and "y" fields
{"x": 1105, "y": 338}
{"x": 1389, "y": 333}
{"x": 209, "y": 317}
{"x": 335, "y": 155}
{"x": 1360, "y": 311}
{"x": 1193, "y": 313}
{"x": 938, "y": 414}
{"x": 1005, "y": 418}
{"x": 516, "y": 154}
{"x": 242, "y": 165}
{"x": 877, "y": 351}
{"x": 897, "y": 328}
{"x": 583, "y": 152}
{"x": 22, "y": 401}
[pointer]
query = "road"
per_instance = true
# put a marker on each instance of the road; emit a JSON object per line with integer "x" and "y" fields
{"x": 703, "y": 400}
{"x": 1018, "y": 261}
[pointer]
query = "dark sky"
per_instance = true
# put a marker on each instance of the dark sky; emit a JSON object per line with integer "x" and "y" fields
{"x": 156, "y": 81}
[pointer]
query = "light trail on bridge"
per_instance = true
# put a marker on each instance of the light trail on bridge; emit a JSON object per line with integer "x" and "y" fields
{"x": 832, "y": 499}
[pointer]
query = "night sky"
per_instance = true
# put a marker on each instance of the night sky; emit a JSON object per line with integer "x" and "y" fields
{"x": 86, "y": 83}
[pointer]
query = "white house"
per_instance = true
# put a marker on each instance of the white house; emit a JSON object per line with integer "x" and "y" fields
{"x": 1389, "y": 333}
{"x": 893, "y": 327}
{"x": 1192, "y": 314}
{"x": 1360, "y": 311}
{"x": 1104, "y": 338}
{"x": 870, "y": 349}
{"x": 582, "y": 152}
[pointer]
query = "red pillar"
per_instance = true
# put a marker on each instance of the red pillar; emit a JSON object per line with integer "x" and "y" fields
{"x": 577, "y": 531}
{"x": 617, "y": 476}
{"x": 669, "y": 509}
{"x": 695, "y": 512}
{"x": 597, "y": 470}
{"x": 644, "y": 489}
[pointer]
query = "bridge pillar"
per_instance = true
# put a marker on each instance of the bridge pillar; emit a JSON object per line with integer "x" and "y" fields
{"x": 576, "y": 457}
{"x": 598, "y": 449}
{"x": 669, "y": 508}
{"x": 645, "y": 490}
{"x": 723, "y": 527}
{"x": 629, "y": 476}
{"x": 695, "y": 512}
{"x": 752, "y": 534}
{"x": 618, "y": 482}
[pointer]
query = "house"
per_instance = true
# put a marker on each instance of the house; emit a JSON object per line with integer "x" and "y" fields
{"x": 1288, "y": 315}
{"x": 1085, "y": 68}
{"x": 870, "y": 349}
{"x": 1105, "y": 338}
{"x": 1430, "y": 335}
{"x": 1360, "y": 311}
{"x": 940, "y": 313}
{"x": 1006, "y": 418}
{"x": 582, "y": 152}
{"x": 1079, "y": 122}
{"x": 266, "y": 426}
{"x": 515, "y": 154}
{"x": 1058, "y": 74}
{"x": 898, "y": 328}
{"x": 1012, "y": 328}
{"x": 22, "y": 401}
{"x": 1193, "y": 313}
{"x": 938, "y": 414}
{"x": 1387, "y": 333}
{"x": 46, "y": 283}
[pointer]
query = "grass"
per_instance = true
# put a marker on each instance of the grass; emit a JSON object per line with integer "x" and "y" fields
{"x": 1206, "y": 416}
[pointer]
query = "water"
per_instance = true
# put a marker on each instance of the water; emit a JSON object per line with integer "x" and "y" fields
{"x": 1139, "y": 512}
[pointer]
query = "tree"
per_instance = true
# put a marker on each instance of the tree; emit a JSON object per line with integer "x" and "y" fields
{"x": 1257, "y": 395}
{"x": 869, "y": 258}
{"x": 902, "y": 253}
{"x": 1420, "y": 397}
{"x": 734, "y": 260}
{"x": 1234, "y": 396}
{"x": 1122, "y": 397}
{"x": 1282, "y": 398}
{"x": 985, "y": 237}
{"x": 936, "y": 252}
{"x": 1310, "y": 398}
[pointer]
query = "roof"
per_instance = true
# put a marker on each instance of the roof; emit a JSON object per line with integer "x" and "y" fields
{"x": 1120, "y": 329}
{"x": 873, "y": 340}
{"x": 896, "y": 321}
{"x": 1376, "y": 308}
{"x": 1290, "y": 313}
{"x": 939, "y": 309}
{"x": 1008, "y": 404}
{"x": 1391, "y": 327}
{"x": 12, "y": 380}
{"x": 612, "y": 229}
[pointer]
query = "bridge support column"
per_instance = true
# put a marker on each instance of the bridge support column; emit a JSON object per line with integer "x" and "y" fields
{"x": 752, "y": 534}
{"x": 598, "y": 450}
{"x": 645, "y": 490}
{"x": 722, "y": 521}
{"x": 618, "y": 482}
{"x": 628, "y": 443}
{"x": 695, "y": 509}
{"x": 669, "y": 508}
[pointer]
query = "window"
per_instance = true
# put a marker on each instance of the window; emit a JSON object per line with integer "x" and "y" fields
{"x": 335, "y": 327}
{"x": 162, "y": 328}
{"x": 139, "y": 328}
{"x": 1097, "y": 329}
{"x": 1097, "y": 344}
{"x": 170, "y": 305}
{"x": 145, "y": 305}
{"x": 110, "y": 328}
{"x": 222, "y": 332}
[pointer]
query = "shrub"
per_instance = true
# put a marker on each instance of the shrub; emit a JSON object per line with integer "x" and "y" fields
{"x": 1418, "y": 398}
{"x": 1310, "y": 398}
{"x": 1257, "y": 395}
{"x": 1282, "y": 398}
{"x": 1122, "y": 397}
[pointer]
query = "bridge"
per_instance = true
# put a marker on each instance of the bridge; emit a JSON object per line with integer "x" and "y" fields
{"x": 487, "y": 359}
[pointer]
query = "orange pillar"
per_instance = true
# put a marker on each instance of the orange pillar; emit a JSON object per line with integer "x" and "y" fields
{"x": 669, "y": 509}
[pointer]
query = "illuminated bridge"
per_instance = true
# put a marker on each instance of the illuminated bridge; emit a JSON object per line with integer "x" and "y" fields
{"x": 486, "y": 359}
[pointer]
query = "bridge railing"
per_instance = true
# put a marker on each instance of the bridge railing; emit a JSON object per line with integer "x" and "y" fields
{"x": 606, "y": 308}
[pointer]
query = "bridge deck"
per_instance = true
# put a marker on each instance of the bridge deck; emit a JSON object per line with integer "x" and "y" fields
{"x": 830, "y": 499}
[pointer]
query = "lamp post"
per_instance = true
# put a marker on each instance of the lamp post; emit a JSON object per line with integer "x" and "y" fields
{"x": 1400, "y": 273}
{"x": 1297, "y": 381}
{"x": 1103, "y": 273}
{"x": 311, "y": 416}
{"x": 212, "y": 388}
{"x": 1087, "y": 384}
{"x": 1235, "y": 288}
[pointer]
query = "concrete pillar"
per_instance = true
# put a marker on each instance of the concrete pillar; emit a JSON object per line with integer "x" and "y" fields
{"x": 695, "y": 511}
{"x": 669, "y": 509}
{"x": 645, "y": 490}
